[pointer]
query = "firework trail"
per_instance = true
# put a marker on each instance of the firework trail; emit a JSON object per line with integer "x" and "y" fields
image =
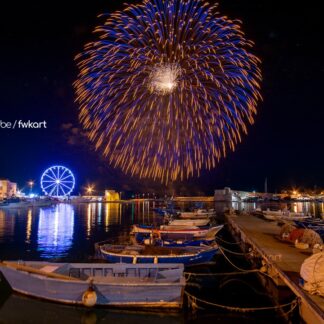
{"x": 167, "y": 88}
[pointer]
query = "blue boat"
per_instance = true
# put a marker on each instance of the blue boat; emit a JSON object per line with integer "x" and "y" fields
{"x": 145, "y": 238}
{"x": 190, "y": 255}
{"x": 316, "y": 225}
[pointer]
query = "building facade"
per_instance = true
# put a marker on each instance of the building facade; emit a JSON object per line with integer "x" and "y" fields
{"x": 229, "y": 195}
{"x": 7, "y": 189}
{"x": 111, "y": 195}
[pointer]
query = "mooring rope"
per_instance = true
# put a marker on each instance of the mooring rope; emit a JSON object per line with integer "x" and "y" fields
{"x": 193, "y": 302}
{"x": 230, "y": 262}
{"x": 236, "y": 253}
{"x": 215, "y": 274}
{"x": 192, "y": 274}
{"x": 227, "y": 242}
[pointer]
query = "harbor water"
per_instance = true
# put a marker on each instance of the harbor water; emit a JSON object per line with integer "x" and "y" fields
{"x": 68, "y": 232}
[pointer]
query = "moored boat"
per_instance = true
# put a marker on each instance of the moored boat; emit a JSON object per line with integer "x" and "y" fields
{"x": 316, "y": 225}
{"x": 189, "y": 222}
{"x": 90, "y": 284}
{"x": 178, "y": 231}
{"x": 283, "y": 215}
{"x": 134, "y": 254}
{"x": 198, "y": 214}
{"x": 148, "y": 240}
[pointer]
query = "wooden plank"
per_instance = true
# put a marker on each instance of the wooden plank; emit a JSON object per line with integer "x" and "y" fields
{"x": 284, "y": 258}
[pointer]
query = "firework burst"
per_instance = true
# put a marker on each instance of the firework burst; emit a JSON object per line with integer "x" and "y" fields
{"x": 167, "y": 88}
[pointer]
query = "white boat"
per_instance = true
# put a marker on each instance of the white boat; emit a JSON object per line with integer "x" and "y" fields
{"x": 283, "y": 215}
{"x": 90, "y": 284}
{"x": 199, "y": 213}
{"x": 189, "y": 222}
{"x": 178, "y": 230}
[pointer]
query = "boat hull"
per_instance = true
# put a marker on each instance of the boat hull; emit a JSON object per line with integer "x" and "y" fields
{"x": 201, "y": 257}
{"x": 178, "y": 231}
{"x": 190, "y": 222}
{"x": 192, "y": 215}
{"x": 140, "y": 294}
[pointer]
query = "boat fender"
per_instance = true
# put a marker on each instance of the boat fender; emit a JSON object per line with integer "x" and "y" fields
{"x": 300, "y": 245}
{"x": 89, "y": 297}
{"x": 156, "y": 261}
{"x": 134, "y": 259}
{"x": 264, "y": 267}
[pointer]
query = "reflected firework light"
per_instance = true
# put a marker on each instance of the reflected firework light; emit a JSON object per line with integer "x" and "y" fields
{"x": 167, "y": 88}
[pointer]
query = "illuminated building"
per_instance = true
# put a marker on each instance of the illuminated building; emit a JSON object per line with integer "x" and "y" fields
{"x": 7, "y": 189}
{"x": 111, "y": 195}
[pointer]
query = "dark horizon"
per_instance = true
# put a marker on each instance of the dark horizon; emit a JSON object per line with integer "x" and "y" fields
{"x": 285, "y": 145}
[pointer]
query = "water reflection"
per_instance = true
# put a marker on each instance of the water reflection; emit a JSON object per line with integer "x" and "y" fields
{"x": 7, "y": 225}
{"x": 113, "y": 213}
{"x": 29, "y": 225}
{"x": 69, "y": 232}
{"x": 55, "y": 231}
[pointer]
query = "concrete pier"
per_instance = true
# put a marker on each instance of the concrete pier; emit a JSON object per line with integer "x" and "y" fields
{"x": 282, "y": 259}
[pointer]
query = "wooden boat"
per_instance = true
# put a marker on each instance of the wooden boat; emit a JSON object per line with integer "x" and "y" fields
{"x": 90, "y": 284}
{"x": 134, "y": 254}
{"x": 189, "y": 222}
{"x": 283, "y": 215}
{"x": 310, "y": 222}
{"x": 148, "y": 240}
{"x": 178, "y": 231}
{"x": 315, "y": 225}
{"x": 198, "y": 214}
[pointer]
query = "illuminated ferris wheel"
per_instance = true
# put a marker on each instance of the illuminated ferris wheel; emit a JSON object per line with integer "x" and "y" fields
{"x": 57, "y": 181}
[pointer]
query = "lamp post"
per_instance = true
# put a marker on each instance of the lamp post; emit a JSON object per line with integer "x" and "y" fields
{"x": 31, "y": 184}
{"x": 89, "y": 190}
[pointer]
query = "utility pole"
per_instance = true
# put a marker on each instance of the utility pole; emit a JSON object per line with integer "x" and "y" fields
{"x": 266, "y": 185}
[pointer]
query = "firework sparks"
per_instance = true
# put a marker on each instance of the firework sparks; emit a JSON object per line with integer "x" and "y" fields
{"x": 167, "y": 88}
{"x": 164, "y": 79}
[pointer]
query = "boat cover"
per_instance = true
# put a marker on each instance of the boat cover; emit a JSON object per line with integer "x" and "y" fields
{"x": 312, "y": 271}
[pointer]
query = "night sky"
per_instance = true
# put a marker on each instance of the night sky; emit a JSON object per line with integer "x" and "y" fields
{"x": 40, "y": 39}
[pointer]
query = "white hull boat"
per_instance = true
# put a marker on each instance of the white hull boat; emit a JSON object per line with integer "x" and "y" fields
{"x": 199, "y": 214}
{"x": 283, "y": 215}
{"x": 180, "y": 230}
{"x": 189, "y": 222}
{"x": 93, "y": 284}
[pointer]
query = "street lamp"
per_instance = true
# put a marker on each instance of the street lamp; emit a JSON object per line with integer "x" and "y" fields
{"x": 89, "y": 190}
{"x": 31, "y": 184}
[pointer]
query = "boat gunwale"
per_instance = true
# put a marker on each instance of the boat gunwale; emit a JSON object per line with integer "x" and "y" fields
{"x": 208, "y": 249}
{"x": 99, "y": 281}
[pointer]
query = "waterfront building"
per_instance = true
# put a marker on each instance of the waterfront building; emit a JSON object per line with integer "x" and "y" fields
{"x": 7, "y": 189}
{"x": 111, "y": 195}
{"x": 227, "y": 194}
